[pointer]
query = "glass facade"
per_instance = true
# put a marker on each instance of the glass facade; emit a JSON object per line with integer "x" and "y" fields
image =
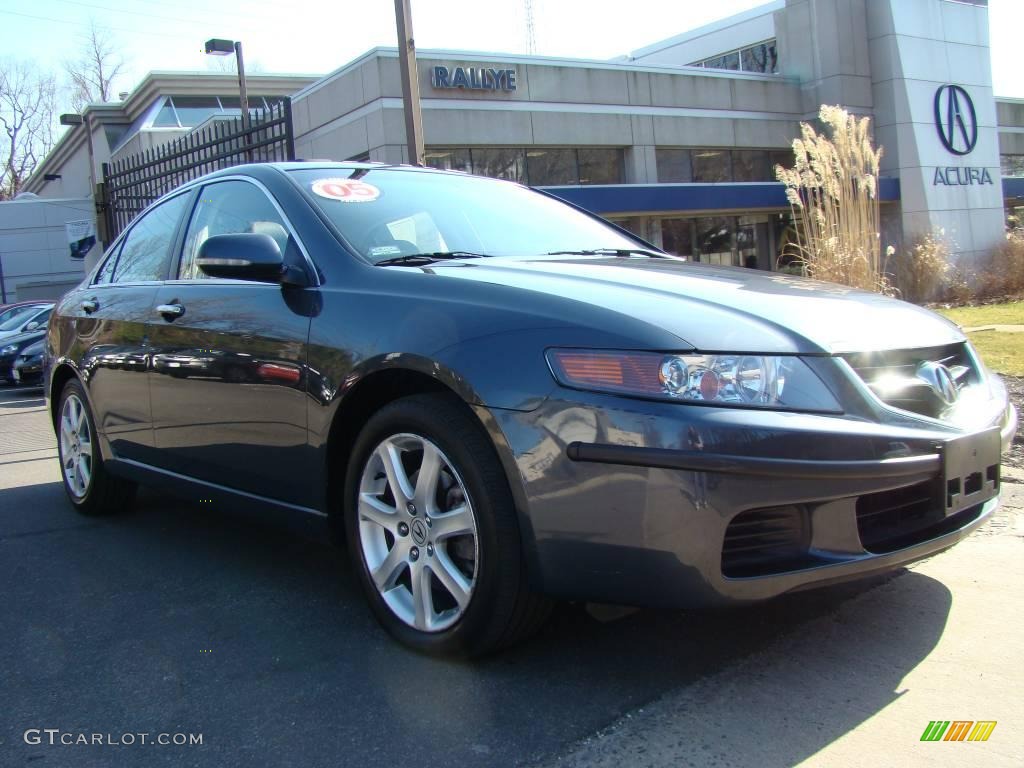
{"x": 762, "y": 58}
{"x": 190, "y": 111}
{"x": 1012, "y": 165}
{"x": 535, "y": 166}
{"x": 754, "y": 241}
{"x": 682, "y": 166}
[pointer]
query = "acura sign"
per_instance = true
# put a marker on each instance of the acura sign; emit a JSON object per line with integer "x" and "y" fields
{"x": 955, "y": 119}
{"x": 956, "y": 122}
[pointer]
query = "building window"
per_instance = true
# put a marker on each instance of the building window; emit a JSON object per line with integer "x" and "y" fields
{"x": 600, "y": 166}
{"x": 166, "y": 118}
{"x": 673, "y": 166}
{"x": 536, "y": 166}
{"x": 449, "y": 159}
{"x": 725, "y": 61}
{"x": 550, "y": 167}
{"x": 756, "y": 241}
{"x": 715, "y": 240}
{"x": 681, "y": 166}
{"x": 190, "y": 111}
{"x": 750, "y": 165}
{"x": 1012, "y": 165}
{"x": 762, "y": 58}
{"x": 711, "y": 165}
{"x": 500, "y": 164}
{"x": 677, "y": 237}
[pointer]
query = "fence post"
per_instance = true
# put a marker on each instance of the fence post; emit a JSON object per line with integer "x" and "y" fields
{"x": 104, "y": 210}
{"x": 289, "y": 133}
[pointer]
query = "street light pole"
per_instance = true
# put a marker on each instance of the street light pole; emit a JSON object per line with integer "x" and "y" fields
{"x": 410, "y": 82}
{"x": 243, "y": 96}
{"x": 220, "y": 47}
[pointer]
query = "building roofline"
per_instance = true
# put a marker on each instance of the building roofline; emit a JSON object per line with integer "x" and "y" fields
{"x": 707, "y": 29}
{"x": 534, "y": 60}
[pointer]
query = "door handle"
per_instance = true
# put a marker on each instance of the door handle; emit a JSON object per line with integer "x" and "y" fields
{"x": 90, "y": 305}
{"x": 170, "y": 311}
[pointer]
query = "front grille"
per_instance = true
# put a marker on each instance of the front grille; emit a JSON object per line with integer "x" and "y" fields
{"x": 763, "y": 541}
{"x": 897, "y": 376}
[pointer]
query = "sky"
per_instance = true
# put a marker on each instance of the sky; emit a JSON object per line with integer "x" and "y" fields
{"x": 318, "y": 36}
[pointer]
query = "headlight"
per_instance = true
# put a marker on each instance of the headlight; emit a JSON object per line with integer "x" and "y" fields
{"x": 738, "y": 380}
{"x": 10, "y": 349}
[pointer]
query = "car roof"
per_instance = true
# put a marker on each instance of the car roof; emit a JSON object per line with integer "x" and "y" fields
{"x": 30, "y": 303}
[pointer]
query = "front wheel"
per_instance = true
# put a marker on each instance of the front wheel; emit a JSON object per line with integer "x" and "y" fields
{"x": 433, "y": 532}
{"x": 90, "y": 488}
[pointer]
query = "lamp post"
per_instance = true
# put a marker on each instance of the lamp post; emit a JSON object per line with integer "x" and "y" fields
{"x": 75, "y": 119}
{"x": 218, "y": 47}
{"x": 99, "y": 206}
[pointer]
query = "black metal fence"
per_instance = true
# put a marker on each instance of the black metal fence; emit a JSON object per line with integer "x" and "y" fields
{"x": 132, "y": 183}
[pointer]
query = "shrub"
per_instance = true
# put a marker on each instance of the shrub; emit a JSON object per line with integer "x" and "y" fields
{"x": 1002, "y": 274}
{"x": 925, "y": 272}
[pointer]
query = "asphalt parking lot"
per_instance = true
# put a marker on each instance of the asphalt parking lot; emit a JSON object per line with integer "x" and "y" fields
{"x": 177, "y": 618}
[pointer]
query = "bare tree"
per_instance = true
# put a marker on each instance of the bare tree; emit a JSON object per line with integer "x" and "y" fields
{"x": 92, "y": 74}
{"x": 28, "y": 105}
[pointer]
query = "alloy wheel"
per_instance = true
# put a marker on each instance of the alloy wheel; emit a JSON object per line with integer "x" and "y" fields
{"x": 418, "y": 532}
{"x": 76, "y": 446}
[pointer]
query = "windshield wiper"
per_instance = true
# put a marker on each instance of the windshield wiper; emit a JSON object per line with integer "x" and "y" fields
{"x": 624, "y": 252}
{"x": 415, "y": 259}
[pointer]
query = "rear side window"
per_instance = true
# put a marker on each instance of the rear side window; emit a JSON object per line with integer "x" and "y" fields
{"x": 147, "y": 249}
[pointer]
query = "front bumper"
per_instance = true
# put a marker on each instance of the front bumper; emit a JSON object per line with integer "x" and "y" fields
{"x": 656, "y": 504}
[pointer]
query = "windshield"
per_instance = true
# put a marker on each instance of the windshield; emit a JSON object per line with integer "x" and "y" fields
{"x": 18, "y": 320}
{"x": 9, "y": 315}
{"x": 388, "y": 213}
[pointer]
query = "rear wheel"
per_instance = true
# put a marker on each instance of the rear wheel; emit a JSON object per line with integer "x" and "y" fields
{"x": 433, "y": 532}
{"x": 90, "y": 488}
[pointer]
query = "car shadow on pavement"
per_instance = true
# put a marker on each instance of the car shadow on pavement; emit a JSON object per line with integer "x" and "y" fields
{"x": 177, "y": 614}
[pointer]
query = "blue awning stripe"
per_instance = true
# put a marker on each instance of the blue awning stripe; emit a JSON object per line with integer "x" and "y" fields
{"x": 668, "y": 198}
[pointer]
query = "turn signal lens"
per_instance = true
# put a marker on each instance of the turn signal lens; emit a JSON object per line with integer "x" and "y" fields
{"x": 625, "y": 372}
{"x": 747, "y": 381}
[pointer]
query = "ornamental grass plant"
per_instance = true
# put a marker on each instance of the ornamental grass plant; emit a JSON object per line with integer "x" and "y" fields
{"x": 833, "y": 192}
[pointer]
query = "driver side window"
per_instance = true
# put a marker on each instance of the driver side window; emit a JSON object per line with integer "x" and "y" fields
{"x": 226, "y": 208}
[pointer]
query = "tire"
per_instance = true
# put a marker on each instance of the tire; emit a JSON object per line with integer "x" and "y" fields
{"x": 459, "y": 545}
{"x": 89, "y": 487}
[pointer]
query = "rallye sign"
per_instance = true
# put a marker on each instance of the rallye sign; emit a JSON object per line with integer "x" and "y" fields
{"x": 473, "y": 78}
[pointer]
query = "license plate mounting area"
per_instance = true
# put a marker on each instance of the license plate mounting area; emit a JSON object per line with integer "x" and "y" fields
{"x": 971, "y": 465}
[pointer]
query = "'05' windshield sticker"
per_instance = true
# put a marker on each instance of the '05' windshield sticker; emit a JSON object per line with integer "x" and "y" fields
{"x": 346, "y": 190}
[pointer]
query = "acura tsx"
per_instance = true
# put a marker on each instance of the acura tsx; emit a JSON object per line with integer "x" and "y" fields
{"x": 496, "y": 399}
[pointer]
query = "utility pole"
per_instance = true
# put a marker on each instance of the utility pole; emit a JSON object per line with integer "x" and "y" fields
{"x": 410, "y": 82}
{"x": 531, "y": 36}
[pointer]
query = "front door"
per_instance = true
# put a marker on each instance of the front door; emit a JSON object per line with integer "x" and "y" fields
{"x": 228, "y": 368}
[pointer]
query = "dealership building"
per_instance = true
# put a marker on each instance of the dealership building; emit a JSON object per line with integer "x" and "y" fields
{"x": 678, "y": 141}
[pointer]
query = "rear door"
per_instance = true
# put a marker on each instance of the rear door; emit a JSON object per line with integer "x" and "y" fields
{"x": 113, "y": 317}
{"x": 229, "y": 358}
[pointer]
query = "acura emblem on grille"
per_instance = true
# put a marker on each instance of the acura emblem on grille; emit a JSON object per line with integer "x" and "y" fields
{"x": 938, "y": 377}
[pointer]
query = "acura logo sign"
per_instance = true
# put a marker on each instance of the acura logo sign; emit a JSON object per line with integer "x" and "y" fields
{"x": 956, "y": 119}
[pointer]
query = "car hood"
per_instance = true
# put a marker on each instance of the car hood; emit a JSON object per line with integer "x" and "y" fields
{"x": 722, "y": 308}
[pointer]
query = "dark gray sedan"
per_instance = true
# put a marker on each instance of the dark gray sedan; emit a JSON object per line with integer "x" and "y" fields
{"x": 496, "y": 399}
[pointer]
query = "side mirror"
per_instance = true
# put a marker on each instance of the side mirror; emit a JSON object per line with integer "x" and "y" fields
{"x": 242, "y": 256}
{"x": 32, "y": 326}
